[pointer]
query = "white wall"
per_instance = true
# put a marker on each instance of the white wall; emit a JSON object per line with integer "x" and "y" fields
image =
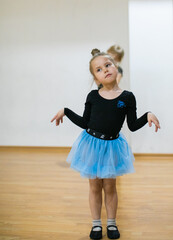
{"x": 151, "y": 71}
{"x": 45, "y": 49}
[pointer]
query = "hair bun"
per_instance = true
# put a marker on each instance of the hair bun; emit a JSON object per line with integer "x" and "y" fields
{"x": 118, "y": 49}
{"x": 95, "y": 51}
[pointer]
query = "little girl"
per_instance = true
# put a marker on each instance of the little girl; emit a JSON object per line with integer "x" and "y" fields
{"x": 117, "y": 53}
{"x": 101, "y": 152}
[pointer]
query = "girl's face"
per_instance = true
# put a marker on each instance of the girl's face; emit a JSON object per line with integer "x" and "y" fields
{"x": 104, "y": 70}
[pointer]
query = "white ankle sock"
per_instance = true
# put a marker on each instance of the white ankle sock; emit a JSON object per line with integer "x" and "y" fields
{"x": 97, "y": 223}
{"x": 111, "y": 222}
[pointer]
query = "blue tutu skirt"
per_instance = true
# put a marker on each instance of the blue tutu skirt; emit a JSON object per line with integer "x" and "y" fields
{"x": 98, "y": 158}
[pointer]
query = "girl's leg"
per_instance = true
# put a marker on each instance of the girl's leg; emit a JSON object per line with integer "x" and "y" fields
{"x": 95, "y": 197}
{"x": 111, "y": 203}
{"x": 111, "y": 197}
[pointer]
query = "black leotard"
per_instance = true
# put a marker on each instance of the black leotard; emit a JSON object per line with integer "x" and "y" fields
{"x": 108, "y": 115}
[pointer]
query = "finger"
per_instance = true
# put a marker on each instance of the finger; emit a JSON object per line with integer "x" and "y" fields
{"x": 156, "y": 128}
{"x": 157, "y": 119}
{"x": 150, "y": 123}
{"x": 53, "y": 119}
{"x": 156, "y": 123}
{"x": 62, "y": 120}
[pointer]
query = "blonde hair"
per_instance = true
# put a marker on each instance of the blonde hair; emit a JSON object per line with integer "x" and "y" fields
{"x": 116, "y": 49}
{"x": 95, "y": 53}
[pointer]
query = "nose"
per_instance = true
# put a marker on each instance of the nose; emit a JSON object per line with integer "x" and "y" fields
{"x": 105, "y": 70}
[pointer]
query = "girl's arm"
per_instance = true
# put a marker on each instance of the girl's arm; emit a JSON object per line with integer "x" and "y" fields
{"x": 76, "y": 119}
{"x": 135, "y": 123}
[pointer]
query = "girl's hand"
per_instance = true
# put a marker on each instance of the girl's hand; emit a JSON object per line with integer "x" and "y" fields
{"x": 152, "y": 118}
{"x": 59, "y": 117}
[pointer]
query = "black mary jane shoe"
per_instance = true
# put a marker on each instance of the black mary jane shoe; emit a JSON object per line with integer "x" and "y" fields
{"x": 96, "y": 234}
{"x": 113, "y": 234}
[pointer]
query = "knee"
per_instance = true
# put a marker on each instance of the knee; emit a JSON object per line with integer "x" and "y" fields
{"x": 109, "y": 189}
{"x": 96, "y": 189}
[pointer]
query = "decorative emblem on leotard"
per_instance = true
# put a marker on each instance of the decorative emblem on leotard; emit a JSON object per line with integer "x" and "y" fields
{"x": 121, "y": 104}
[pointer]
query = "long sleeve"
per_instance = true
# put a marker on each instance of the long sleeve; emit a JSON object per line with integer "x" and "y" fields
{"x": 78, "y": 120}
{"x": 133, "y": 122}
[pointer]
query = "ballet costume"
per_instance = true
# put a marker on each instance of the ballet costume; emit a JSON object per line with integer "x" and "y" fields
{"x": 101, "y": 150}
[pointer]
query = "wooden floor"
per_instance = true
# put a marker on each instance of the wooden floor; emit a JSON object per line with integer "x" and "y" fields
{"x": 41, "y": 198}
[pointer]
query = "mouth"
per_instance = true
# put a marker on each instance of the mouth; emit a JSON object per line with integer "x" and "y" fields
{"x": 108, "y": 75}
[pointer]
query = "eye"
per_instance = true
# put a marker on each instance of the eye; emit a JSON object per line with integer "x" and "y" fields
{"x": 108, "y": 64}
{"x": 99, "y": 69}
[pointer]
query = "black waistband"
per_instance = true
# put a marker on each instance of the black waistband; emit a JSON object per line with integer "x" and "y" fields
{"x": 101, "y": 135}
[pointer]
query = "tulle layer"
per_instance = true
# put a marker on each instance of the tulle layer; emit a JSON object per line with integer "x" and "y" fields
{"x": 98, "y": 158}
